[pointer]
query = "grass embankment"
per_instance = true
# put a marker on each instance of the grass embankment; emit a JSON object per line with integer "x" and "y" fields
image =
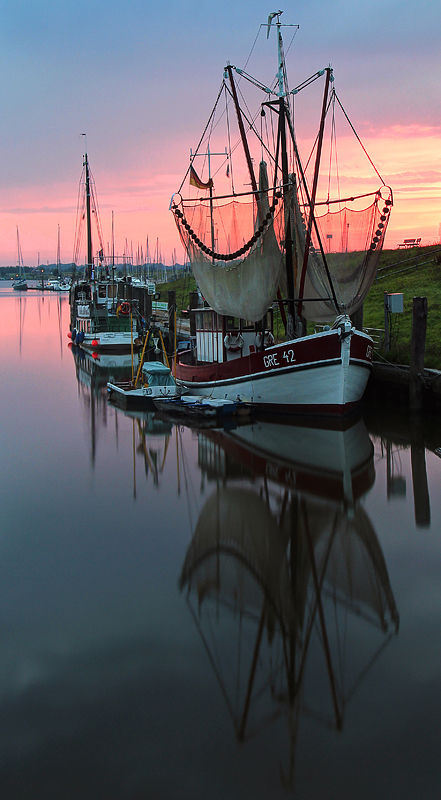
{"x": 414, "y": 273}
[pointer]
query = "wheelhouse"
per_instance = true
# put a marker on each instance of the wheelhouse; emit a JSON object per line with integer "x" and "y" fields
{"x": 224, "y": 338}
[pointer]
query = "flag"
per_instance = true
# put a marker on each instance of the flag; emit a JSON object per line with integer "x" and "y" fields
{"x": 196, "y": 181}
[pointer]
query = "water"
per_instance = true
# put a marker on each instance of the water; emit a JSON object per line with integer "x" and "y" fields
{"x": 146, "y": 572}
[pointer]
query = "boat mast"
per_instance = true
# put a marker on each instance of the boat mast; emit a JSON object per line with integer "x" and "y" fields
{"x": 311, "y": 220}
{"x": 211, "y": 197}
{"x": 58, "y": 255}
{"x": 285, "y": 180}
{"x": 88, "y": 220}
{"x": 242, "y": 131}
{"x": 18, "y": 255}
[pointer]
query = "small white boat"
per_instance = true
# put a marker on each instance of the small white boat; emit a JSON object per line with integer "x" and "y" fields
{"x": 154, "y": 382}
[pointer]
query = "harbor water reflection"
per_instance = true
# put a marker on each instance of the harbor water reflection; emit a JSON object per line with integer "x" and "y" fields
{"x": 203, "y": 612}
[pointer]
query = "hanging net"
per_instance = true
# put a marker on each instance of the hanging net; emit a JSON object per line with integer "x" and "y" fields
{"x": 344, "y": 248}
{"x": 235, "y": 249}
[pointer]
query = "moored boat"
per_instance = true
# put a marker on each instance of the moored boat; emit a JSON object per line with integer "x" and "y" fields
{"x": 155, "y": 382}
{"x": 278, "y": 247}
{"x": 100, "y": 319}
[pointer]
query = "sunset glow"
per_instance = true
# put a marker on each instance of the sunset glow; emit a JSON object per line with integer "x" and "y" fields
{"x": 139, "y": 136}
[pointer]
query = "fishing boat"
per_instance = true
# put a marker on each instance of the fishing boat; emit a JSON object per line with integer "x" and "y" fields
{"x": 279, "y": 248}
{"x": 20, "y": 285}
{"x": 153, "y": 381}
{"x": 100, "y": 318}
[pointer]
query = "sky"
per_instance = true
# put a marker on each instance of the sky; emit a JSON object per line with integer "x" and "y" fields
{"x": 140, "y": 79}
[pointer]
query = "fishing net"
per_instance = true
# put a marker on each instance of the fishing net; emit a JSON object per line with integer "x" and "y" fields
{"x": 235, "y": 249}
{"x": 345, "y": 246}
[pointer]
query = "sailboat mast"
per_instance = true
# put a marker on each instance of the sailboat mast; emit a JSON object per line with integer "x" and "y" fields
{"x": 88, "y": 221}
{"x": 58, "y": 254}
{"x": 18, "y": 254}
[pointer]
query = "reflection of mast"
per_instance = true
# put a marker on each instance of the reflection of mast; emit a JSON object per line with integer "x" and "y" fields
{"x": 152, "y": 460}
{"x": 60, "y": 323}
{"x": 22, "y": 312}
{"x": 289, "y": 565}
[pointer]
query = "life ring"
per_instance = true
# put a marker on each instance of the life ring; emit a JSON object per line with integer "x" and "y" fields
{"x": 233, "y": 346}
{"x": 268, "y": 339}
{"x": 124, "y": 309}
{"x": 258, "y": 340}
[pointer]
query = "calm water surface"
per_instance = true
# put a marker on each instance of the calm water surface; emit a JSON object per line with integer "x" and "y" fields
{"x": 251, "y": 613}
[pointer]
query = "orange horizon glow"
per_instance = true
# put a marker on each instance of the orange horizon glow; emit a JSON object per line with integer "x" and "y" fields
{"x": 408, "y": 159}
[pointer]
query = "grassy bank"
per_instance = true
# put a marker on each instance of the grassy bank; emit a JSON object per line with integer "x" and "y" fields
{"x": 414, "y": 273}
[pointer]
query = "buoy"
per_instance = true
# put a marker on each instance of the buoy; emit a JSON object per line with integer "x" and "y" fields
{"x": 234, "y": 346}
{"x": 95, "y": 342}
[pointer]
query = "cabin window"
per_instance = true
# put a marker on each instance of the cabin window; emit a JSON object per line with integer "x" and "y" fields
{"x": 268, "y": 320}
{"x": 247, "y": 325}
{"x": 199, "y": 321}
{"x": 232, "y": 323}
{"x": 102, "y": 292}
{"x": 208, "y": 321}
{"x": 217, "y": 322}
{"x": 112, "y": 290}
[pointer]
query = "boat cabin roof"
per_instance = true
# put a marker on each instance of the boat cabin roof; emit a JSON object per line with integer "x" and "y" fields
{"x": 155, "y": 368}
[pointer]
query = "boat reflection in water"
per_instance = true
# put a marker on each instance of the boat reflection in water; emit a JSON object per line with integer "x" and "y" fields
{"x": 150, "y": 435}
{"x": 284, "y": 556}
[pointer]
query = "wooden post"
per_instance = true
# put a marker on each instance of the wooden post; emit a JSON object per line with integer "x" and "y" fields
{"x": 386, "y": 323}
{"x": 417, "y": 347}
{"x": 171, "y": 320}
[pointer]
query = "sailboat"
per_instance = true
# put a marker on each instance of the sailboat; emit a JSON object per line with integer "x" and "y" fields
{"x": 20, "y": 285}
{"x": 100, "y": 319}
{"x": 277, "y": 248}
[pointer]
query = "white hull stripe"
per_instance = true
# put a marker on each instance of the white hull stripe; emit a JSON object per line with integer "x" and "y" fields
{"x": 267, "y": 374}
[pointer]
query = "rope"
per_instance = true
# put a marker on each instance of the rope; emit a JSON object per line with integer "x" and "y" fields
{"x": 359, "y": 140}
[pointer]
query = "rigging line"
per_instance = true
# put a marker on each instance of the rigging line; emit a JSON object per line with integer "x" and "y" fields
{"x": 359, "y": 140}
{"x": 251, "y": 128}
{"x": 342, "y": 199}
{"x": 316, "y": 138}
{"x": 337, "y": 170}
{"x": 330, "y": 154}
{"x": 204, "y": 132}
{"x": 253, "y": 46}
{"x": 290, "y": 44}
{"x": 80, "y": 210}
